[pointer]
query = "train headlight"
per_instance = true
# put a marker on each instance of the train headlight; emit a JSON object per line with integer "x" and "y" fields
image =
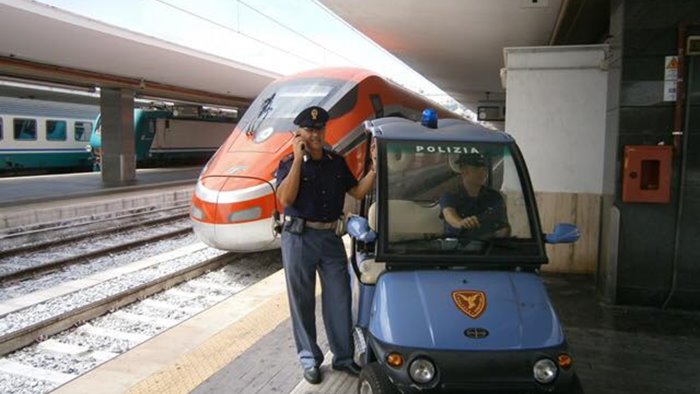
{"x": 197, "y": 213}
{"x": 245, "y": 215}
{"x": 545, "y": 370}
{"x": 422, "y": 370}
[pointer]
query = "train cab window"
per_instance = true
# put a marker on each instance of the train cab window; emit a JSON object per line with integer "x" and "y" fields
{"x": 275, "y": 108}
{"x": 82, "y": 131}
{"x": 55, "y": 130}
{"x": 25, "y": 129}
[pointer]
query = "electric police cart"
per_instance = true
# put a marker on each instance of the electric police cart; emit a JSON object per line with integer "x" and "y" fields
{"x": 463, "y": 312}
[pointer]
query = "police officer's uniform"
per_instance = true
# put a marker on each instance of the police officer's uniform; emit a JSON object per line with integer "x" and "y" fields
{"x": 310, "y": 243}
{"x": 488, "y": 206}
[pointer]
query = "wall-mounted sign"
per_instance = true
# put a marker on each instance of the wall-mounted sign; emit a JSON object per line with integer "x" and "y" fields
{"x": 670, "y": 77}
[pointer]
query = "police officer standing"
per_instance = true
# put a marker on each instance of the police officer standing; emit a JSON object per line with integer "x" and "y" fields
{"x": 312, "y": 183}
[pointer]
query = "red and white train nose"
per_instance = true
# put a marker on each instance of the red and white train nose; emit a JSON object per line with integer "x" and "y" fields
{"x": 235, "y": 213}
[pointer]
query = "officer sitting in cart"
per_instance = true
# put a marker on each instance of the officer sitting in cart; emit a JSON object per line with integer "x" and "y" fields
{"x": 474, "y": 210}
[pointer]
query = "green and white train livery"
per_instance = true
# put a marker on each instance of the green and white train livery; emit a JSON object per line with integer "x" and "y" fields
{"x": 44, "y": 135}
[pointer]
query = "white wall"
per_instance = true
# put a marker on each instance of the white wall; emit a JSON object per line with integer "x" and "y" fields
{"x": 555, "y": 109}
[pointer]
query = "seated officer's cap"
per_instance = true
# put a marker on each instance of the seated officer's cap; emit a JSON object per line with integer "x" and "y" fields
{"x": 471, "y": 159}
{"x": 312, "y": 117}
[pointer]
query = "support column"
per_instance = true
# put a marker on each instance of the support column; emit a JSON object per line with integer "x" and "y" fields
{"x": 118, "y": 152}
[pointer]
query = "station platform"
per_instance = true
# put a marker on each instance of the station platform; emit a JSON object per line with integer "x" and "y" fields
{"x": 44, "y": 198}
{"x": 41, "y": 188}
{"x": 244, "y": 345}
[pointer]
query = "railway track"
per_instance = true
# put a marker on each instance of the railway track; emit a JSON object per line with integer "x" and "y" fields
{"x": 22, "y": 336}
{"x": 55, "y": 255}
{"x": 18, "y": 240}
{"x": 152, "y": 303}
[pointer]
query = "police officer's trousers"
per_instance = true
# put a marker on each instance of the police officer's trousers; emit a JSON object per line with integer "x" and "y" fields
{"x": 302, "y": 255}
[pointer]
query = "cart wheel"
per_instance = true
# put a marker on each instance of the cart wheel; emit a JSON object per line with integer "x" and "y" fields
{"x": 373, "y": 380}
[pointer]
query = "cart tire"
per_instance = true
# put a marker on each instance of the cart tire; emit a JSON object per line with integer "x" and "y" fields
{"x": 373, "y": 380}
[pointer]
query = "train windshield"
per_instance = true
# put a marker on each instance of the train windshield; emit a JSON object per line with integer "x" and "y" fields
{"x": 276, "y": 107}
{"x": 461, "y": 201}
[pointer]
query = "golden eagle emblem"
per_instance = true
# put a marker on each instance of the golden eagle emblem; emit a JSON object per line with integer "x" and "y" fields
{"x": 314, "y": 114}
{"x": 471, "y": 302}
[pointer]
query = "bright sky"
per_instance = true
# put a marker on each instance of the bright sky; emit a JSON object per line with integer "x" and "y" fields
{"x": 283, "y": 36}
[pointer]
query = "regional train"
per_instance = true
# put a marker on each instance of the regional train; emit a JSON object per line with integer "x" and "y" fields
{"x": 44, "y": 136}
{"x": 172, "y": 135}
{"x": 234, "y": 205}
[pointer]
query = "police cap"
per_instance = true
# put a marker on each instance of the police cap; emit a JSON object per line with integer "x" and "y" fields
{"x": 471, "y": 159}
{"x": 312, "y": 117}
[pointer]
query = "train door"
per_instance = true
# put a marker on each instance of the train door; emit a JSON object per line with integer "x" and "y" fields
{"x": 144, "y": 132}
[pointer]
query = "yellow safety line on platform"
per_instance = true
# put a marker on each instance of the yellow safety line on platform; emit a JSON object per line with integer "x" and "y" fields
{"x": 193, "y": 368}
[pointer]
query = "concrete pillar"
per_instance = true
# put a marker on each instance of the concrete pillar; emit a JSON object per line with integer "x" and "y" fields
{"x": 118, "y": 153}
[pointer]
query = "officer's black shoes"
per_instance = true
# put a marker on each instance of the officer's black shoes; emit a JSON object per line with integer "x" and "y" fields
{"x": 312, "y": 375}
{"x": 352, "y": 368}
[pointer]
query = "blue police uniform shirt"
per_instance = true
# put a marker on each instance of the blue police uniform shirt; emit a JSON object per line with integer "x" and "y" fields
{"x": 322, "y": 186}
{"x": 488, "y": 207}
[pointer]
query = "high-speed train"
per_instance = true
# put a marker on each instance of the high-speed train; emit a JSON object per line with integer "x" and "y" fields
{"x": 234, "y": 203}
{"x": 42, "y": 136}
{"x": 167, "y": 135}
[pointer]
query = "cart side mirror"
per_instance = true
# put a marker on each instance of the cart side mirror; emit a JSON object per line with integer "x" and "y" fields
{"x": 358, "y": 228}
{"x": 564, "y": 233}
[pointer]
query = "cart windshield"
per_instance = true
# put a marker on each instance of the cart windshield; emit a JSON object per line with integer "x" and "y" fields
{"x": 456, "y": 199}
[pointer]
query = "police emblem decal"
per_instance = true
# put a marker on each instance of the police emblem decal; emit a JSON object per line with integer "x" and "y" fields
{"x": 471, "y": 302}
{"x": 314, "y": 114}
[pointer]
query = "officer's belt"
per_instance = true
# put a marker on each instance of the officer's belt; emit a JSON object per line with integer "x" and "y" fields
{"x": 320, "y": 225}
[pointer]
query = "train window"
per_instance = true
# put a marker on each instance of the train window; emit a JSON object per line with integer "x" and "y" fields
{"x": 377, "y": 105}
{"x": 82, "y": 131}
{"x": 25, "y": 129}
{"x": 0, "y": 129}
{"x": 345, "y": 104}
{"x": 279, "y": 103}
{"x": 55, "y": 130}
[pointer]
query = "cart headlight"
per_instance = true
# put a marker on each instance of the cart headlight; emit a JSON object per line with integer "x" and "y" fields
{"x": 422, "y": 370}
{"x": 545, "y": 371}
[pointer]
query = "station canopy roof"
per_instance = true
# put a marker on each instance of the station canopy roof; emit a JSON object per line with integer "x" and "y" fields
{"x": 458, "y": 44}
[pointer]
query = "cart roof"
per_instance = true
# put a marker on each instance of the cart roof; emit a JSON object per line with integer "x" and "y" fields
{"x": 449, "y": 130}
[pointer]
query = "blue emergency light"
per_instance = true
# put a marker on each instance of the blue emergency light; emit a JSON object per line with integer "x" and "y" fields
{"x": 429, "y": 118}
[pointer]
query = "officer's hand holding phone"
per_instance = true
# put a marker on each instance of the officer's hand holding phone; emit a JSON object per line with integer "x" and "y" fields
{"x": 299, "y": 146}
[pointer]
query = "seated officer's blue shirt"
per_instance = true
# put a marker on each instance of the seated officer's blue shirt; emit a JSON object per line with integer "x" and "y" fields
{"x": 488, "y": 207}
{"x": 322, "y": 187}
